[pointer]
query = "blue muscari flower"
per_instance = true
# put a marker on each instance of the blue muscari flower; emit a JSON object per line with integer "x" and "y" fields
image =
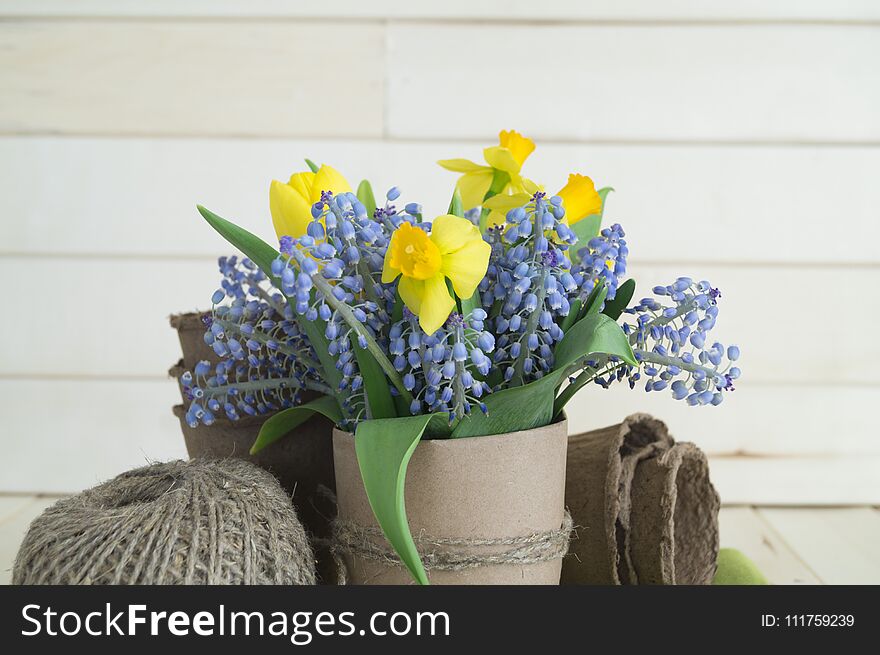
{"x": 670, "y": 343}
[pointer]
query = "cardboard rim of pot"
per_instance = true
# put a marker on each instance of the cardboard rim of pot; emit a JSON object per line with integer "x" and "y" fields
{"x": 560, "y": 423}
{"x": 188, "y": 320}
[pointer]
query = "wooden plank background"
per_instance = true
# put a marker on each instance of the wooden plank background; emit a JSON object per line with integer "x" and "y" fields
{"x": 741, "y": 138}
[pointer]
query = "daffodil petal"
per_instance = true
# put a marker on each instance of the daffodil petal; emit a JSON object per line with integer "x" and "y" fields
{"x": 531, "y": 187}
{"x": 389, "y": 272}
{"x": 461, "y": 165}
{"x": 473, "y": 187}
{"x": 411, "y": 292}
{"x": 450, "y": 233}
{"x": 328, "y": 179}
{"x": 496, "y": 218}
{"x": 504, "y": 202}
{"x": 466, "y": 267}
{"x": 502, "y": 159}
{"x": 291, "y": 212}
{"x": 436, "y": 304}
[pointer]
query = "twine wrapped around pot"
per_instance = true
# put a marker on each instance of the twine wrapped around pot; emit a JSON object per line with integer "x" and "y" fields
{"x": 482, "y": 510}
{"x": 641, "y": 504}
{"x": 196, "y": 522}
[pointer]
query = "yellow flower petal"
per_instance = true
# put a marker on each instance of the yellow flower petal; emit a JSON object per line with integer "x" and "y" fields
{"x": 530, "y": 187}
{"x": 473, "y": 187}
{"x": 328, "y": 179}
{"x": 291, "y": 212}
{"x": 506, "y": 202}
{"x": 579, "y": 198}
{"x": 467, "y": 266}
{"x": 436, "y": 304}
{"x": 502, "y": 159}
{"x": 449, "y": 233}
{"x": 518, "y": 145}
{"x": 302, "y": 183}
{"x": 411, "y": 292}
{"x": 496, "y": 218}
{"x": 461, "y": 165}
{"x": 389, "y": 272}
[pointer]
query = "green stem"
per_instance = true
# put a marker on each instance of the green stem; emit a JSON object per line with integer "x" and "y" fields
{"x": 272, "y": 383}
{"x": 263, "y": 339}
{"x": 348, "y": 316}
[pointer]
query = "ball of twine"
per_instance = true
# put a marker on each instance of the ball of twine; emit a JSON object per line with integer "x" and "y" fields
{"x": 196, "y": 522}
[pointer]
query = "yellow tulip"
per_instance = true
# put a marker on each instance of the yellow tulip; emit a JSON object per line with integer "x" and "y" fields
{"x": 579, "y": 198}
{"x": 291, "y": 203}
{"x": 455, "y": 250}
{"x": 509, "y": 155}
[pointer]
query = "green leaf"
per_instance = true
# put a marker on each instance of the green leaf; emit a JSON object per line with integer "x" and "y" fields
{"x": 614, "y": 308}
{"x": 262, "y": 254}
{"x": 365, "y": 195}
{"x": 589, "y": 226}
{"x": 470, "y": 304}
{"x": 259, "y": 252}
{"x": 593, "y": 303}
{"x": 287, "y": 419}
{"x": 532, "y": 405}
{"x": 384, "y": 448}
{"x": 312, "y": 165}
{"x": 455, "y": 207}
{"x": 379, "y": 399}
{"x": 574, "y": 313}
{"x": 592, "y": 334}
{"x": 513, "y": 409}
{"x": 397, "y": 310}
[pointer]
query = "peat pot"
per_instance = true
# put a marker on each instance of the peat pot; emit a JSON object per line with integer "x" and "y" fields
{"x": 482, "y": 510}
{"x": 302, "y": 461}
{"x": 645, "y": 509}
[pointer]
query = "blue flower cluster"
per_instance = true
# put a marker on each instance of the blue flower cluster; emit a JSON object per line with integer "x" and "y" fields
{"x": 332, "y": 276}
{"x": 533, "y": 283}
{"x": 672, "y": 342}
{"x": 439, "y": 369}
{"x": 265, "y": 360}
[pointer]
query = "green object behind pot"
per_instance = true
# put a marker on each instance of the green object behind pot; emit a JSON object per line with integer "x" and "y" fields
{"x": 734, "y": 568}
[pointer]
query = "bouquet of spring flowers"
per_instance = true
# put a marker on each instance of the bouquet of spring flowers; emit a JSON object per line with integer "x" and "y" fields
{"x": 399, "y": 325}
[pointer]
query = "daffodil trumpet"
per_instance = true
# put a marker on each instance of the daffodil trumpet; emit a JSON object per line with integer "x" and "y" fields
{"x": 454, "y": 251}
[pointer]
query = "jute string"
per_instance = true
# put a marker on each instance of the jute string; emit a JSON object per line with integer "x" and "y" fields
{"x": 449, "y": 553}
{"x": 196, "y": 522}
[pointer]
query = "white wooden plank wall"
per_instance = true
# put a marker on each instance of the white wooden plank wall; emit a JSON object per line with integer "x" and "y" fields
{"x": 743, "y": 140}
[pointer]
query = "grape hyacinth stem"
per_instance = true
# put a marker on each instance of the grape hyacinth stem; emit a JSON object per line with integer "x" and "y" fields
{"x": 268, "y": 383}
{"x": 348, "y": 316}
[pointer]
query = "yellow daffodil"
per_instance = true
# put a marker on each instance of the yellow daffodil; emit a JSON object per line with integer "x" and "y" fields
{"x": 455, "y": 250}
{"x": 291, "y": 203}
{"x": 508, "y": 156}
{"x": 579, "y": 198}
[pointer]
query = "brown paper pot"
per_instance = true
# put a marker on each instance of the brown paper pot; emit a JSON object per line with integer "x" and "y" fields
{"x": 191, "y": 332}
{"x": 488, "y": 487}
{"x": 600, "y": 467}
{"x": 302, "y": 461}
{"x": 674, "y": 519}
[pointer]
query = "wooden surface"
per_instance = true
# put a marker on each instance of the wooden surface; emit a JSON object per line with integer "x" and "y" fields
{"x": 790, "y": 546}
{"x": 742, "y": 140}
